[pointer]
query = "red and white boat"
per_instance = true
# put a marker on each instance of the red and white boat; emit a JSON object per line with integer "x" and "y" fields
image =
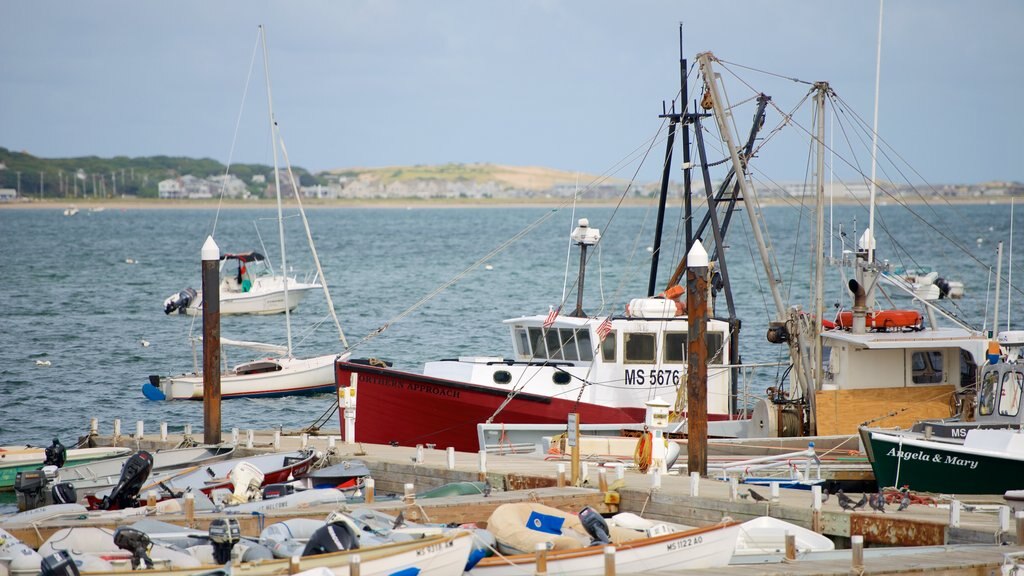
{"x": 559, "y": 365}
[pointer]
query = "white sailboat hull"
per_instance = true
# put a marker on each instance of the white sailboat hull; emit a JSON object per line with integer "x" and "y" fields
{"x": 267, "y": 377}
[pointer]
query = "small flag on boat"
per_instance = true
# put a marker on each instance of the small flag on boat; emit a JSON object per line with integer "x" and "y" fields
{"x": 604, "y": 328}
{"x": 552, "y": 314}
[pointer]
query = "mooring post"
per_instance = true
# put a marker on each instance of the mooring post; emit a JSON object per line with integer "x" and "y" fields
{"x": 857, "y": 552}
{"x": 211, "y": 341}
{"x": 234, "y": 436}
{"x": 163, "y": 431}
{"x": 140, "y": 427}
{"x": 249, "y": 437}
{"x": 790, "y": 547}
{"x": 695, "y": 484}
{"x": 602, "y": 479}
{"x": 609, "y": 561}
{"x": 541, "y": 555}
{"x": 954, "y": 514}
{"x": 190, "y": 510}
{"x": 94, "y": 427}
{"x": 561, "y": 475}
{"x": 449, "y": 454}
{"x": 775, "y": 492}
{"x": 734, "y": 489}
{"x": 294, "y": 564}
{"x": 419, "y": 454}
{"x": 697, "y": 359}
{"x": 277, "y": 439}
{"x": 369, "y": 485}
{"x": 117, "y": 430}
{"x": 482, "y": 471}
{"x": 1018, "y": 518}
{"x": 355, "y": 565}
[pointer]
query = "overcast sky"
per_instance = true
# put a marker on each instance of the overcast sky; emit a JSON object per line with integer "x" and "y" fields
{"x": 573, "y": 85}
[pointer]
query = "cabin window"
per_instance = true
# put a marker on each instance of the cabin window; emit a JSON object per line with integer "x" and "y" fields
{"x": 640, "y": 348}
{"x": 537, "y": 344}
{"x": 569, "y": 344}
{"x": 1009, "y": 395}
{"x": 927, "y": 367}
{"x": 675, "y": 347}
{"x": 561, "y": 377}
{"x": 522, "y": 342}
{"x": 608, "y": 347}
{"x": 502, "y": 377}
{"x": 987, "y": 394}
{"x": 715, "y": 342}
{"x": 583, "y": 339}
{"x": 554, "y": 345}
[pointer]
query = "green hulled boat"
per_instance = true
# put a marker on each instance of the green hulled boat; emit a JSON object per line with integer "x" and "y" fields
{"x": 14, "y": 459}
{"x": 987, "y": 462}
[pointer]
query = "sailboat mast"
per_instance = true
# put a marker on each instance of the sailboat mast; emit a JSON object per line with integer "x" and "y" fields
{"x": 277, "y": 188}
{"x": 874, "y": 141}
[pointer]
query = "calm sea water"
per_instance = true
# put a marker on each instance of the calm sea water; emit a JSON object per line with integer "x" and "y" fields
{"x": 84, "y": 292}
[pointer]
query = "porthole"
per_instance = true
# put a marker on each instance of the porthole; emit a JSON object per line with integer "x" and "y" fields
{"x": 502, "y": 377}
{"x": 561, "y": 377}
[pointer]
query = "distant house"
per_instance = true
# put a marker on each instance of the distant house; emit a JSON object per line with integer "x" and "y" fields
{"x": 8, "y": 194}
{"x": 231, "y": 185}
{"x": 170, "y": 188}
{"x": 259, "y": 179}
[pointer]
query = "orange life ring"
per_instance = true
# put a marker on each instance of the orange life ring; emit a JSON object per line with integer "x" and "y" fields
{"x": 883, "y": 319}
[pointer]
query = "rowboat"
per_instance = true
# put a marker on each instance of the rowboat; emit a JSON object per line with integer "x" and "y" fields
{"x": 707, "y": 547}
{"x": 274, "y": 468}
{"x": 440, "y": 555}
{"x": 14, "y": 459}
{"x": 92, "y": 476}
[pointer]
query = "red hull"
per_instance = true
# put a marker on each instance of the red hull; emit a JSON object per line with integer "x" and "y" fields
{"x": 410, "y": 409}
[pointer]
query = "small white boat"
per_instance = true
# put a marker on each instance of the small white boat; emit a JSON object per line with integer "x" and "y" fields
{"x": 263, "y": 378}
{"x": 93, "y": 476}
{"x": 252, "y": 288}
{"x": 440, "y": 555}
{"x": 572, "y": 552}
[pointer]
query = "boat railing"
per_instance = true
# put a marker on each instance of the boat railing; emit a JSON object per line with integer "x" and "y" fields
{"x": 791, "y": 461}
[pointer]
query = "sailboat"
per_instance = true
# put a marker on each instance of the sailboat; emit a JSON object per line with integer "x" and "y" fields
{"x": 281, "y": 373}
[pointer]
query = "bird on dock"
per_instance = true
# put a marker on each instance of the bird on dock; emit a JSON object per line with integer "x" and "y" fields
{"x": 757, "y": 497}
{"x": 399, "y": 520}
{"x": 860, "y": 503}
{"x": 487, "y": 487}
{"x": 824, "y": 495}
{"x": 905, "y": 501}
{"x": 844, "y": 501}
{"x": 877, "y": 502}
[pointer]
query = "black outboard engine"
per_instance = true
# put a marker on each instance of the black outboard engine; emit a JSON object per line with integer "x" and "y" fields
{"x": 30, "y": 486}
{"x": 63, "y": 493}
{"x": 944, "y": 287}
{"x": 224, "y": 533}
{"x": 595, "y": 526}
{"x": 126, "y": 493}
{"x": 136, "y": 542}
{"x": 180, "y": 301}
{"x": 59, "y": 563}
{"x": 334, "y": 537}
{"x": 55, "y": 454}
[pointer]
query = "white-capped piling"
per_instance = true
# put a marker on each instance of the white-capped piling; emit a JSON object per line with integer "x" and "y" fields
{"x": 277, "y": 439}
{"x": 234, "y": 436}
{"x": 163, "y": 431}
{"x": 694, "y": 484}
{"x": 369, "y": 485}
{"x": 954, "y": 513}
{"x": 249, "y": 438}
{"x": 775, "y": 492}
{"x": 482, "y": 466}
{"x": 449, "y": 453}
{"x": 857, "y": 553}
{"x": 140, "y": 428}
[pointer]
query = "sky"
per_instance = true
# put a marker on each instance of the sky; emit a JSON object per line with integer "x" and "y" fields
{"x": 574, "y": 85}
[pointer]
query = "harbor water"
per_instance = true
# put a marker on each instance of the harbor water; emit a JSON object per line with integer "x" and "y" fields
{"x": 81, "y": 301}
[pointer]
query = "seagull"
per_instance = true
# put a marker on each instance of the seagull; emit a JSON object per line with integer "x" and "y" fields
{"x": 757, "y": 497}
{"x": 42, "y": 362}
{"x": 145, "y": 343}
{"x": 877, "y": 501}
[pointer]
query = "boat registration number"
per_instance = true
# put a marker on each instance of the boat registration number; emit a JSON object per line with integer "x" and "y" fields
{"x": 684, "y": 543}
{"x": 652, "y": 377}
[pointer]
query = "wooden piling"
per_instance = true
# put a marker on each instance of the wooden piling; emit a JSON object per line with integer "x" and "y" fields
{"x": 368, "y": 487}
{"x": 541, "y": 555}
{"x": 857, "y": 552}
{"x": 609, "y": 561}
{"x": 211, "y": 341}
{"x": 790, "y": 546}
{"x": 697, "y": 359}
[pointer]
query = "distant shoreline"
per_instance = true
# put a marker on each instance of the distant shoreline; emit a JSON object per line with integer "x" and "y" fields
{"x": 407, "y": 203}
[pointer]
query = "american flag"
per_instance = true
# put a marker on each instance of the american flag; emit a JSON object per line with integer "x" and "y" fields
{"x": 552, "y": 314}
{"x": 604, "y": 328}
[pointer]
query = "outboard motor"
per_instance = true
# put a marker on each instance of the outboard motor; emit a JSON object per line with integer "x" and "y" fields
{"x": 246, "y": 479}
{"x": 136, "y": 542}
{"x": 595, "y": 526}
{"x": 944, "y": 287}
{"x": 63, "y": 493}
{"x": 30, "y": 486}
{"x": 126, "y": 492}
{"x": 335, "y": 536}
{"x": 55, "y": 454}
{"x": 180, "y": 301}
{"x": 224, "y": 533}
{"x": 59, "y": 563}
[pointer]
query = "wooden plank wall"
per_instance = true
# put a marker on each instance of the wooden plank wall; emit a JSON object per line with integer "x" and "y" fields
{"x": 841, "y": 411}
